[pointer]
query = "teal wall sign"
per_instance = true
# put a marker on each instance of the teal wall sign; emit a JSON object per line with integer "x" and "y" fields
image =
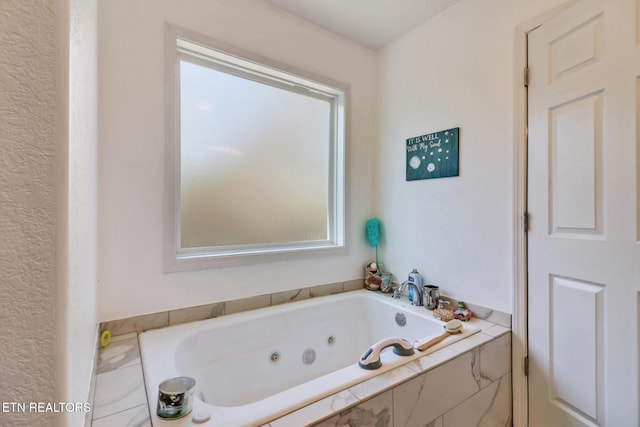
{"x": 434, "y": 155}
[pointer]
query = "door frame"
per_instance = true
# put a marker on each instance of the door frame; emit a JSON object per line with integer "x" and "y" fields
{"x": 519, "y": 341}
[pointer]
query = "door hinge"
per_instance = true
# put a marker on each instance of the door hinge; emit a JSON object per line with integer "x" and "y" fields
{"x": 526, "y": 366}
{"x": 526, "y": 76}
{"x": 525, "y": 222}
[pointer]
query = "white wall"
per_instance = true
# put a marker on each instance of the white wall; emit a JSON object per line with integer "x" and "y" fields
{"x": 77, "y": 204}
{"x": 131, "y": 150}
{"x": 27, "y": 206}
{"x": 455, "y": 71}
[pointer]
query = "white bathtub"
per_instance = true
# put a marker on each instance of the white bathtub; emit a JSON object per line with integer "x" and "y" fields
{"x": 253, "y": 367}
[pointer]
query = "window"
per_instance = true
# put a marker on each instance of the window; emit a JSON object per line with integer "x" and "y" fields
{"x": 255, "y": 158}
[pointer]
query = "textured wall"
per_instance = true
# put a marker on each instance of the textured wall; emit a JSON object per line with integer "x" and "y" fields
{"x": 27, "y": 206}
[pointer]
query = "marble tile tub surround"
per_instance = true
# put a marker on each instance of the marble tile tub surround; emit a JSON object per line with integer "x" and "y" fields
{"x": 478, "y": 366}
{"x": 484, "y": 313}
{"x": 120, "y": 397}
{"x": 467, "y": 383}
{"x": 175, "y": 317}
{"x": 118, "y": 393}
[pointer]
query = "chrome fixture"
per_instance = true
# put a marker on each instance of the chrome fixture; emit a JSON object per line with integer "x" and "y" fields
{"x": 417, "y": 295}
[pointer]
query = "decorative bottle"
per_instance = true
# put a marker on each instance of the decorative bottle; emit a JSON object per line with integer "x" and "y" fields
{"x": 416, "y": 278}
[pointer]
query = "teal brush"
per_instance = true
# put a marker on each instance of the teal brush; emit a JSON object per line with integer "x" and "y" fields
{"x": 372, "y": 232}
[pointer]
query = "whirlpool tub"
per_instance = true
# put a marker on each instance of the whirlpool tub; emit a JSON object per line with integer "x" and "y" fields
{"x": 256, "y": 366}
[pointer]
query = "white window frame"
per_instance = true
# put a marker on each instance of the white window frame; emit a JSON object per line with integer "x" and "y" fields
{"x": 181, "y": 44}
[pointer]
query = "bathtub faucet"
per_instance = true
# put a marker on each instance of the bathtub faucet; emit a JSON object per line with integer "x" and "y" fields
{"x": 417, "y": 294}
{"x": 370, "y": 359}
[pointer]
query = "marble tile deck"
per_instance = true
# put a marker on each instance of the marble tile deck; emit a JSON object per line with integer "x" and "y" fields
{"x": 121, "y": 352}
{"x": 120, "y": 387}
{"x": 135, "y": 417}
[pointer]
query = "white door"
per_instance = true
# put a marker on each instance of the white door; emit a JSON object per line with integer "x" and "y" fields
{"x": 583, "y": 241}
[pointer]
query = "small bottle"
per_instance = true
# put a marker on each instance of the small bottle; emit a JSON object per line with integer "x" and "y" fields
{"x": 416, "y": 278}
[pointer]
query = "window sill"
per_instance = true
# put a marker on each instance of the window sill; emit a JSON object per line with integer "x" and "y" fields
{"x": 200, "y": 260}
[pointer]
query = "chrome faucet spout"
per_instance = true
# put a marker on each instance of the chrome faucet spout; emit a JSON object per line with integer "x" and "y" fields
{"x": 417, "y": 294}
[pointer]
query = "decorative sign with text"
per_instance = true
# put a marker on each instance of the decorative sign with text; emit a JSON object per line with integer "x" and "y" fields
{"x": 434, "y": 155}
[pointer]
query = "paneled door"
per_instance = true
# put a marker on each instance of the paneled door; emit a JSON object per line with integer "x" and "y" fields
{"x": 583, "y": 241}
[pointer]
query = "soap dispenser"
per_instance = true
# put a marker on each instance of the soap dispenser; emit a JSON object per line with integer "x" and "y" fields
{"x": 415, "y": 278}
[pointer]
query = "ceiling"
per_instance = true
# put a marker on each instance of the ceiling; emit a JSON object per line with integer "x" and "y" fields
{"x": 370, "y": 23}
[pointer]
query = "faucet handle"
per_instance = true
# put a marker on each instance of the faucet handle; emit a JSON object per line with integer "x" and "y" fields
{"x": 398, "y": 288}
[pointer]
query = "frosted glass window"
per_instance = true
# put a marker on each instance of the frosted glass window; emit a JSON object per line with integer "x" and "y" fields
{"x": 254, "y": 161}
{"x": 255, "y": 158}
